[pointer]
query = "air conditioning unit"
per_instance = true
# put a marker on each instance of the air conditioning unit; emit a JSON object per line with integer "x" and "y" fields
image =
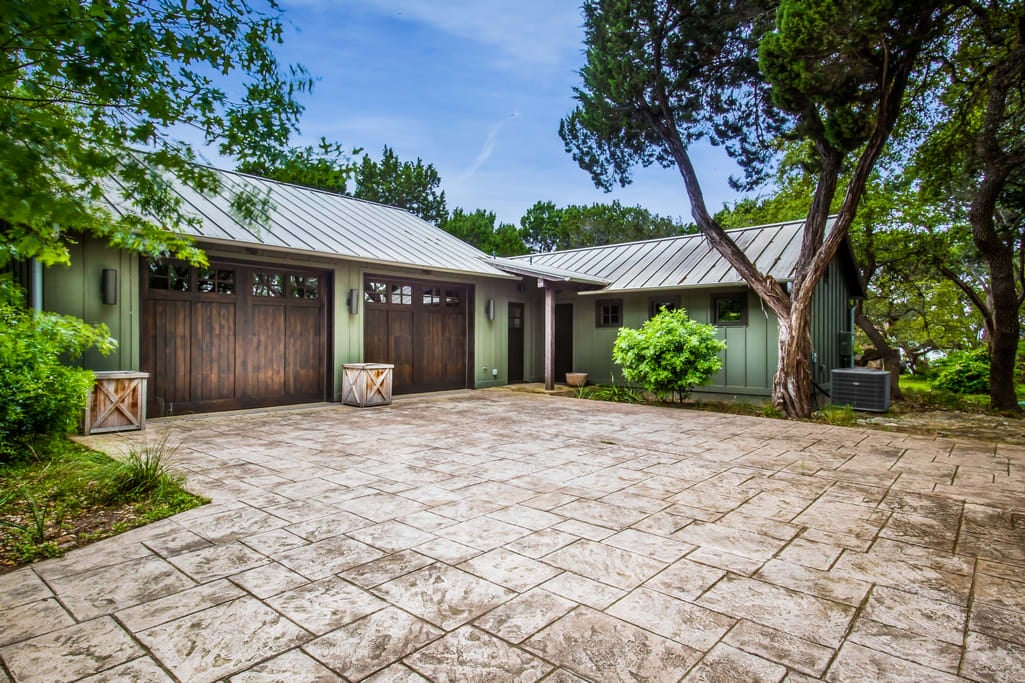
{"x": 861, "y": 388}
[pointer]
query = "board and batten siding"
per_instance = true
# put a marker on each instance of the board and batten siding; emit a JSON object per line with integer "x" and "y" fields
{"x": 749, "y": 360}
{"x": 831, "y": 325}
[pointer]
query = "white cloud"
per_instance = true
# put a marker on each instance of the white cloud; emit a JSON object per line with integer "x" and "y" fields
{"x": 487, "y": 150}
{"x": 539, "y": 32}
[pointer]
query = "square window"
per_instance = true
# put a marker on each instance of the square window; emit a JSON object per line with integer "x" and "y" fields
{"x": 657, "y": 303}
{"x": 268, "y": 284}
{"x": 304, "y": 286}
{"x": 402, "y": 294}
{"x": 168, "y": 276}
{"x": 729, "y": 309}
{"x": 608, "y": 313}
{"x": 375, "y": 292}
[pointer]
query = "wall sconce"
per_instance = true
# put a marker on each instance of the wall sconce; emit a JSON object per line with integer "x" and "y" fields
{"x": 489, "y": 309}
{"x": 108, "y": 286}
{"x": 353, "y": 301}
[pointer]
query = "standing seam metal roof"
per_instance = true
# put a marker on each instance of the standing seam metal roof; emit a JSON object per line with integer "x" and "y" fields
{"x": 310, "y": 220}
{"x": 684, "y": 261}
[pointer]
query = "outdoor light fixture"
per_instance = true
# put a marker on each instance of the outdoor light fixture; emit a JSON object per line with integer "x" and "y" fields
{"x": 489, "y": 309}
{"x": 108, "y": 286}
{"x": 353, "y": 301}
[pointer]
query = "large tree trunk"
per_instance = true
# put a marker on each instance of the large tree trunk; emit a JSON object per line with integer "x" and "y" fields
{"x": 890, "y": 355}
{"x": 791, "y": 385}
{"x": 1006, "y": 328}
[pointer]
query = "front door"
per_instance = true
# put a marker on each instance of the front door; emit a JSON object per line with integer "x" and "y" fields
{"x": 515, "y": 342}
{"x": 563, "y": 341}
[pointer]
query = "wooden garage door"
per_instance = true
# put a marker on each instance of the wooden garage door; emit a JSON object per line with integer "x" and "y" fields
{"x": 422, "y": 328}
{"x": 232, "y": 336}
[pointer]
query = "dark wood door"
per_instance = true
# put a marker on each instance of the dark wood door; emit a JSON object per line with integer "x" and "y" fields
{"x": 233, "y": 336}
{"x": 563, "y": 341}
{"x": 515, "y": 369}
{"x": 420, "y": 327}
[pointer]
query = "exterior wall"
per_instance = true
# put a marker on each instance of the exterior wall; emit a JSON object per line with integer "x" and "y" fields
{"x": 749, "y": 361}
{"x": 831, "y": 326}
{"x": 75, "y": 290}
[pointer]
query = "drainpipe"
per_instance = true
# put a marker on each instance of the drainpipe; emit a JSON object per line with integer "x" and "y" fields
{"x": 36, "y": 286}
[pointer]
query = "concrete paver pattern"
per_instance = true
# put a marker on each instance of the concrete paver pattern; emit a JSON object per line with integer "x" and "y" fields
{"x": 496, "y": 536}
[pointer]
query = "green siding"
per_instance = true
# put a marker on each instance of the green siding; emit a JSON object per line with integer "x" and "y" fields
{"x": 830, "y": 318}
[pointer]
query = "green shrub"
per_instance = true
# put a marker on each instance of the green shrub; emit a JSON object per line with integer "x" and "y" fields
{"x": 669, "y": 355}
{"x": 40, "y": 397}
{"x": 145, "y": 470}
{"x": 963, "y": 372}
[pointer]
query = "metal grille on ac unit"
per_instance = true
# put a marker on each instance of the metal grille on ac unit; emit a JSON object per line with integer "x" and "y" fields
{"x": 861, "y": 388}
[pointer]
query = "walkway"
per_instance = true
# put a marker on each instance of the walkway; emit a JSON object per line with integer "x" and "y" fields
{"x": 495, "y": 536}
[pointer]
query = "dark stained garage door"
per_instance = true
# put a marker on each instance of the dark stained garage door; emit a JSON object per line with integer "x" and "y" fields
{"x": 233, "y": 336}
{"x": 422, "y": 328}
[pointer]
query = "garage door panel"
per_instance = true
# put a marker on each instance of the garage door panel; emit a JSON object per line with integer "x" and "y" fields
{"x": 166, "y": 345}
{"x": 213, "y": 360}
{"x": 264, "y": 352}
{"x": 304, "y": 338}
{"x": 400, "y": 346}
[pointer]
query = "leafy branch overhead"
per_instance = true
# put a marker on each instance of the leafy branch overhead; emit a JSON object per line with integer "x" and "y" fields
{"x": 84, "y": 86}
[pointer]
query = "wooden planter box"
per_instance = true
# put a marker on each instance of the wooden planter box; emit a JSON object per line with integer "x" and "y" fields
{"x": 366, "y": 384}
{"x": 117, "y": 402}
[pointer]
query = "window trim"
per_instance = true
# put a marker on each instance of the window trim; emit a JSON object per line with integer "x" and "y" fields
{"x": 714, "y": 309}
{"x": 598, "y": 313}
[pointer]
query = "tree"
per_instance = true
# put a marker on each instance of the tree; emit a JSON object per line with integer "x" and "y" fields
{"x": 84, "y": 86}
{"x": 409, "y": 185}
{"x": 327, "y": 166}
{"x": 830, "y": 76}
{"x": 545, "y": 227}
{"x": 974, "y": 153}
{"x": 478, "y": 228}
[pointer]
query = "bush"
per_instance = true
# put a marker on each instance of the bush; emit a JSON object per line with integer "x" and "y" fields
{"x": 963, "y": 372}
{"x": 669, "y": 355}
{"x": 40, "y": 397}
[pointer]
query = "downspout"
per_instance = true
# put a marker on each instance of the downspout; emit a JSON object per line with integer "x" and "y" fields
{"x": 36, "y": 285}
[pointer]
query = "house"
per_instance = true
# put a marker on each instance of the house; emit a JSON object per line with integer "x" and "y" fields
{"x": 640, "y": 278}
{"x": 333, "y": 280}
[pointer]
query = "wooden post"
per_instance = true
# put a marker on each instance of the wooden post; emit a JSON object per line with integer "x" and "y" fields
{"x": 549, "y": 337}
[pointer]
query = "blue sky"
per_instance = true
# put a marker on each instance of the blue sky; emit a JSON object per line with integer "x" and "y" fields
{"x": 475, "y": 88}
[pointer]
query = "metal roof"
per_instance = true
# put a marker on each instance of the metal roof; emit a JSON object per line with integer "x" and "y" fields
{"x": 529, "y": 268}
{"x": 308, "y": 220}
{"x": 684, "y": 261}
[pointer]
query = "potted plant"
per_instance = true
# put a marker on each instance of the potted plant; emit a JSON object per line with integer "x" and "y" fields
{"x": 576, "y": 379}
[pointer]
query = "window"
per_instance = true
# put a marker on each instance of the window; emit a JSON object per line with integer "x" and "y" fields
{"x": 215, "y": 281}
{"x": 608, "y": 313}
{"x": 304, "y": 286}
{"x": 432, "y": 296}
{"x": 657, "y": 303}
{"x": 729, "y": 309}
{"x": 375, "y": 292}
{"x": 268, "y": 284}
{"x": 170, "y": 277}
{"x": 402, "y": 294}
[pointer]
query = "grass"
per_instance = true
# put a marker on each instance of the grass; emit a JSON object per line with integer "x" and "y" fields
{"x": 69, "y": 496}
{"x": 919, "y": 394}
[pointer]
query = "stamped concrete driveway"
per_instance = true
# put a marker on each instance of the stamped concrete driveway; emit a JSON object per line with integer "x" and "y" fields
{"x": 495, "y": 536}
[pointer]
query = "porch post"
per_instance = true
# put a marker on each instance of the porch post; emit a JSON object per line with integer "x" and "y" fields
{"x": 549, "y": 337}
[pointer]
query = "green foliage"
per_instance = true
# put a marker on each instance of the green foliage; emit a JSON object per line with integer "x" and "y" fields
{"x": 546, "y": 227}
{"x": 407, "y": 184}
{"x": 963, "y": 372}
{"x": 73, "y": 495}
{"x": 40, "y": 397}
{"x": 615, "y": 393}
{"x": 841, "y": 415}
{"x": 669, "y": 354}
{"x": 326, "y": 166}
{"x": 145, "y": 470}
{"x": 84, "y": 84}
{"x": 478, "y": 228}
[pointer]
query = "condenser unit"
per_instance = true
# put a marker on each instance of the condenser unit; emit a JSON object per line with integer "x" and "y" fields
{"x": 861, "y": 388}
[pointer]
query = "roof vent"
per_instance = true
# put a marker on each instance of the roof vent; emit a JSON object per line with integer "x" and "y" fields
{"x": 861, "y": 388}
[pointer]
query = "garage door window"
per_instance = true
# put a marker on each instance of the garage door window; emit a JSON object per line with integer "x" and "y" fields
{"x": 432, "y": 296}
{"x": 375, "y": 292}
{"x": 402, "y": 295}
{"x": 169, "y": 277}
{"x": 452, "y": 297}
{"x": 304, "y": 287}
{"x": 268, "y": 284}
{"x": 215, "y": 281}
